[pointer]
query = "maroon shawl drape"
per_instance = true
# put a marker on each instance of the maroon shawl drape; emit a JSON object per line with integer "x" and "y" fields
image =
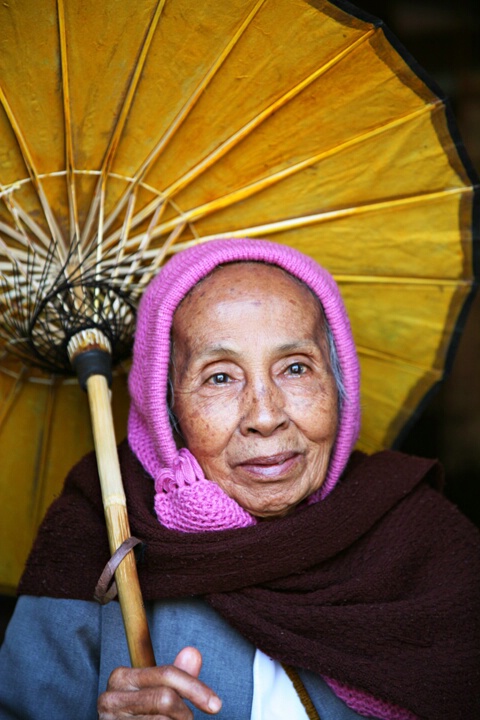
{"x": 377, "y": 586}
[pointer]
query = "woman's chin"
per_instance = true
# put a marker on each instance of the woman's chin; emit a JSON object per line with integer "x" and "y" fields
{"x": 271, "y": 509}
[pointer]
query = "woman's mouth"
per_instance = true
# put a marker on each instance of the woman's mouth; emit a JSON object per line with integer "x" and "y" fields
{"x": 271, "y": 466}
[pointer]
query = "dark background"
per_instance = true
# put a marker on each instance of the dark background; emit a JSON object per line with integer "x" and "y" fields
{"x": 444, "y": 37}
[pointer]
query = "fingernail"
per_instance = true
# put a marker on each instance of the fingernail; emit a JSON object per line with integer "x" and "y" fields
{"x": 214, "y": 704}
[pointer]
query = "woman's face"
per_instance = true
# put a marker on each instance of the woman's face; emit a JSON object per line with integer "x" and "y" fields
{"x": 254, "y": 394}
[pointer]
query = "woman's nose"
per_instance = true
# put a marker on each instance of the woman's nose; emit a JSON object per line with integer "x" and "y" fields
{"x": 264, "y": 410}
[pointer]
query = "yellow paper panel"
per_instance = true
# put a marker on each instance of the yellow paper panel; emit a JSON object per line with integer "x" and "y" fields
{"x": 408, "y": 323}
{"x": 20, "y": 440}
{"x": 426, "y": 239}
{"x": 252, "y": 81}
{"x": 106, "y": 38}
{"x": 180, "y": 57}
{"x": 385, "y": 387}
{"x": 29, "y": 76}
{"x": 388, "y": 167}
{"x": 70, "y": 437}
{"x": 11, "y": 162}
{"x": 71, "y": 431}
{"x": 307, "y": 125}
{"x": 42, "y": 448}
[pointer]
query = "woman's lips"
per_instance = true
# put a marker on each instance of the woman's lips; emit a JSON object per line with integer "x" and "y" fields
{"x": 271, "y": 466}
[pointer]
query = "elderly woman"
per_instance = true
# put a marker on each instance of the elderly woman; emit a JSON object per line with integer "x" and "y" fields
{"x": 285, "y": 576}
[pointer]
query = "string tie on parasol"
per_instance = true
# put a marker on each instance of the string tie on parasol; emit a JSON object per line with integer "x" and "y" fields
{"x": 186, "y": 500}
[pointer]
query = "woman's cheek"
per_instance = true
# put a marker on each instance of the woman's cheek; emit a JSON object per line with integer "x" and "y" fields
{"x": 208, "y": 419}
{"x": 302, "y": 396}
{"x": 217, "y": 402}
{"x": 313, "y": 410}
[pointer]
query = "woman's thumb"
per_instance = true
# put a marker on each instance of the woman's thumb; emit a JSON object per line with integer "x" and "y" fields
{"x": 189, "y": 659}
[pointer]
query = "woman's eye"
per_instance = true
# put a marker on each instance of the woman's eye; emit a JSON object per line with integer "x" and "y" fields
{"x": 297, "y": 369}
{"x": 219, "y": 379}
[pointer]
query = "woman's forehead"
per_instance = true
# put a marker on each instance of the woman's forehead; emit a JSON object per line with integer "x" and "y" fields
{"x": 251, "y": 278}
{"x": 245, "y": 293}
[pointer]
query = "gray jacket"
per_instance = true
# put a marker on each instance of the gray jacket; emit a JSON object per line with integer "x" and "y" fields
{"x": 58, "y": 655}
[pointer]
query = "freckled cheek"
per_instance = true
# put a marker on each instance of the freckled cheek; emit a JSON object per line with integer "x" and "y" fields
{"x": 207, "y": 423}
{"x": 313, "y": 413}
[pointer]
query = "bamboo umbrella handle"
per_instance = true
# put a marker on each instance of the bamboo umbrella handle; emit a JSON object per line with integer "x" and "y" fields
{"x": 118, "y": 527}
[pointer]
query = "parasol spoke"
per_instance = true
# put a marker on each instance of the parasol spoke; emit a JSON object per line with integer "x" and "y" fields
{"x": 102, "y": 188}
{"x": 122, "y": 119}
{"x": 17, "y": 235}
{"x": 145, "y": 242}
{"x": 21, "y": 219}
{"x": 16, "y": 263}
{"x": 126, "y": 274}
{"x": 41, "y": 460}
{"x": 13, "y": 395}
{"x": 249, "y": 127}
{"x": 72, "y": 196}
{"x": 118, "y": 260}
{"x": 294, "y": 223}
{"x": 270, "y": 180}
{"x": 123, "y": 236}
{"x": 397, "y": 360}
{"x": 184, "y": 112}
{"x": 34, "y": 176}
{"x": 392, "y": 280}
{"x": 160, "y": 256}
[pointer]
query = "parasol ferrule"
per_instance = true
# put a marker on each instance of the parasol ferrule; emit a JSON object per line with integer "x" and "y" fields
{"x": 90, "y": 354}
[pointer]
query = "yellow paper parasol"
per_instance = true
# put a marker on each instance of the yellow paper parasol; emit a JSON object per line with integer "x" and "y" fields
{"x": 129, "y": 130}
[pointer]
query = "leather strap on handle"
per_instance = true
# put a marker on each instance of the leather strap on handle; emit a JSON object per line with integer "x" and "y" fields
{"x": 106, "y": 588}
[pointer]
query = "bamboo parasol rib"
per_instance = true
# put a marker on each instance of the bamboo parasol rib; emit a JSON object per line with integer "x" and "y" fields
{"x": 155, "y": 125}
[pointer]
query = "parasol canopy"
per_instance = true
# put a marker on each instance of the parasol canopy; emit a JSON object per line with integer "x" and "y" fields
{"x": 129, "y": 130}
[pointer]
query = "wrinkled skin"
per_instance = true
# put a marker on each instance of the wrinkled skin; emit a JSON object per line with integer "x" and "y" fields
{"x": 254, "y": 394}
{"x": 256, "y": 404}
{"x": 156, "y": 693}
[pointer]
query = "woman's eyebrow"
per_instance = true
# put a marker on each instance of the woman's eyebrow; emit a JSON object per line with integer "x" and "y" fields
{"x": 217, "y": 349}
{"x": 298, "y": 346}
{"x": 304, "y": 345}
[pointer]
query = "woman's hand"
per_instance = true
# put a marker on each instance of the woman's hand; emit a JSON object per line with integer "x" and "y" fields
{"x": 158, "y": 692}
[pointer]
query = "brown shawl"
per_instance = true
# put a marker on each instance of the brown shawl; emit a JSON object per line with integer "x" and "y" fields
{"x": 377, "y": 586}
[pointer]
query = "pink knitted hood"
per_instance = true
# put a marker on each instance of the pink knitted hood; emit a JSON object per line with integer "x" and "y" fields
{"x": 186, "y": 500}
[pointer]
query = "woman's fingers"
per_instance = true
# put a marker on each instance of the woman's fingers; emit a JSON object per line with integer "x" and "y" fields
{"x": 158, "y": 692}
{"x": 160, "y": 703}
